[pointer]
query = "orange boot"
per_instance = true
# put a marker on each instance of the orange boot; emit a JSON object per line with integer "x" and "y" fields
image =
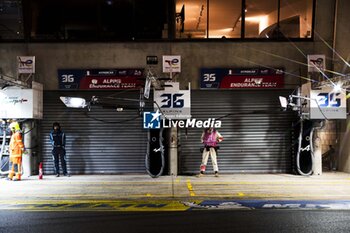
{"x": 11, "y": 175}
{"x": 18, "y": 176}
{"x": 19, "y": 169}
{"x": 11, "y": 172}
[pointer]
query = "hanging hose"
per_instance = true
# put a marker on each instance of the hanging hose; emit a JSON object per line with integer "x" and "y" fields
{"x": 299, "y": 170}
{"x": 148, "y": 155}
{"x": 309, "y": 171}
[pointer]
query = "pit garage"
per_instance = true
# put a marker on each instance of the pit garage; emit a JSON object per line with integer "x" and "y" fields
{"x": 258, "y": 136}
{"x": 99, "y": 141}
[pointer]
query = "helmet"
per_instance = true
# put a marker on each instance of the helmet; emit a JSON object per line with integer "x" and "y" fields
{"x": 14, "y": 126}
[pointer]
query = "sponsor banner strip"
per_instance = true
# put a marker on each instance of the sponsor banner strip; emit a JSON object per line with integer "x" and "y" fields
{"x": 242, "y": 78}
{"x": 100, "y": 79}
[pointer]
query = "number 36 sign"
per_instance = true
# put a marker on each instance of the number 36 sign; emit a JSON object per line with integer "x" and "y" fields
{"x": 173, "y": 102}
{"x": 327, "y": 104}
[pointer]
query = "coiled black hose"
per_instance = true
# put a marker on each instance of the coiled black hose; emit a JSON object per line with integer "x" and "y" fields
{"x": 148, "y": 155}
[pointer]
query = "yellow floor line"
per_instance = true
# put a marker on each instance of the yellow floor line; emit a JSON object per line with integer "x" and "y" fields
{"x": 190, "y": 188}
{"x": 117, "y": 205}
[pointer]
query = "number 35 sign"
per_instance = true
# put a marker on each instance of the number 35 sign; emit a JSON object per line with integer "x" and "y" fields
{"x": 173, "y": 102}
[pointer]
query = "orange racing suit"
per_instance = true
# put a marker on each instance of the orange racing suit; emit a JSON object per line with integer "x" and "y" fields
{"x": 16, "y": 150}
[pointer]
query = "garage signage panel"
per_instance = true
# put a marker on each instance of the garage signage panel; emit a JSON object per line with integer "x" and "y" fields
{"x": 173, "y": 102}
{"x": 21, "y": 104}
{"x": 26, "y": 64}
{"x": 327, "y": 104}
{"x": 316, "y": 63}
{"x": 241, "y": 78}
{"x": 100, "y": 79}
{"x": 172, "y": 64}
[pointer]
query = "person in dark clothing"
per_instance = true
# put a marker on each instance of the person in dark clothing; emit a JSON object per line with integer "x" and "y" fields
{"x": 58, "y": 142}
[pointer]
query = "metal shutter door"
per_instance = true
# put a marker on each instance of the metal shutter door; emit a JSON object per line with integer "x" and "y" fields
{"x": 257, "y": 135}
{"x": 93, "y": 146}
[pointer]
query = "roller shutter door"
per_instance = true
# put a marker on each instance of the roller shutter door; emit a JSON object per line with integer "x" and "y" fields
{"x": 257, "y": 135}
{"x": 98, "y": 141}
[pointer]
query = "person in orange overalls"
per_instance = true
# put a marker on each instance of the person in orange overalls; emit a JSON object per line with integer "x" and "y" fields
{"x": 16, "y": 151}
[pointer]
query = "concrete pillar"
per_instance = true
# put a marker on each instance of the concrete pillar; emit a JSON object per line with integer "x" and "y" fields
{"x": 344, "y": 147}
{"x": 317, "y": 164}
{"x": 27, "y": 156}
{"x": 173, "y": 157}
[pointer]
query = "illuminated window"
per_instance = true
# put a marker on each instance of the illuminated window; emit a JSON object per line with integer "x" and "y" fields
{"x": 269, "y": 19}
{"x": 137, "y": 20}
{"x": 296, "y": 18}
{"x": 260, "y": 16}
{"x": 191, "y": 19}
{"x": 225, "y": 19}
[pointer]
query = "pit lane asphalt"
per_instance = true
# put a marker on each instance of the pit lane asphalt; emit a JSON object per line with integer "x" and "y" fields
{"x": 167, "y": 193}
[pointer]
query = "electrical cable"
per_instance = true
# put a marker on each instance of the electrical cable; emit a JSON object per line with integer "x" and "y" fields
{"x": 29, "y": 130}
{"x": 109, "y": 122}
{"x": 319, "y": 108}
{"x": 119, "y": 93}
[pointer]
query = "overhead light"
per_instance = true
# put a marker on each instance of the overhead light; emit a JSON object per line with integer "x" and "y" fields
{"x": 74, "y": 102}
{"x": 337, "y": 87}
{"x": 152, "y": 60}
{"x": 109, "y": 2}
{"x": 283, "y": 101}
